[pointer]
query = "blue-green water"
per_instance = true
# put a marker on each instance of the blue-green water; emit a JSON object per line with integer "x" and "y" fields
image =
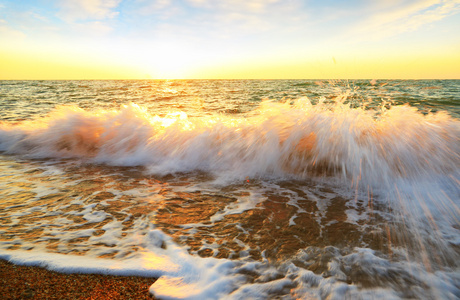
{"x": 24, "y": 99}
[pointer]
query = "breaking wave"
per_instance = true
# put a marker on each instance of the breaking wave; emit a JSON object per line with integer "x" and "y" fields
{"x": 276, "y": 140}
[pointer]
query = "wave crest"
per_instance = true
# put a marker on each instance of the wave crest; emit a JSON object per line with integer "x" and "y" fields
{"x": 278, "y": 139}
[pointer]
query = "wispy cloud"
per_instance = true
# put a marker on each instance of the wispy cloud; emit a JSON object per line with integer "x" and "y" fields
{"x": 93, "y": 28}
{"x": 391, "y": 18}
{"x": 225, "y": 18}
{"x": 9, "y": 34}
{"x": 253, "y": 6}
{"x": 18, "y": 24}
{"x": 74, "y": 10}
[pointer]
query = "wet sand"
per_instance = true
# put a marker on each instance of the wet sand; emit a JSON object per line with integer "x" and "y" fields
{"x": 22, "y": 282}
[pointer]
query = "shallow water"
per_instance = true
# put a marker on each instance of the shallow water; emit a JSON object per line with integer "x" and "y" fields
{"x": 237, "y": 188}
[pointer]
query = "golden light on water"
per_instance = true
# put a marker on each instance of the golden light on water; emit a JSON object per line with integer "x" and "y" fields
{"x": 155, "y": 262}
{"x": 175, "y": 288}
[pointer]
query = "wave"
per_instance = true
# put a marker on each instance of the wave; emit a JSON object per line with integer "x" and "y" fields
{"x": 276, "y": 140}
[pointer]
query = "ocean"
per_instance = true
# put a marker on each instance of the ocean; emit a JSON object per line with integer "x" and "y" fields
{"x": 237, "y": 189}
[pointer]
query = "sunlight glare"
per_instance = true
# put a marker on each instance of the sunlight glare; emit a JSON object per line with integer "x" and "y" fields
{"x": 168, "y": 61}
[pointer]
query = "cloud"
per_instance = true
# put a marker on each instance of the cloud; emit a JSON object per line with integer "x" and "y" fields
{"x": 156, "y": 5}
{"x": 221, "y": 19}
{"x": 9, "y": 34}
{"x": 93, "y": 28}
{"x": 253, "y": 6}
{"x": 20, "y": 25}
{"x": 74, "y": 10}
{"x": 396, "y": 17}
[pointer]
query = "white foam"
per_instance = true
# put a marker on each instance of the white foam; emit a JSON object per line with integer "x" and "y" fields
{"x": 178, "y": 271}
{"x": 275, "y": 140}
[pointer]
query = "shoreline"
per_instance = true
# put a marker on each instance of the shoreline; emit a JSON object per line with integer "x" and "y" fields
{"x": 26, "y": 282}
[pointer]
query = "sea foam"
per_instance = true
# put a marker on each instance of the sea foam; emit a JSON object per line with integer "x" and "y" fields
{"x": 276, "y": 140}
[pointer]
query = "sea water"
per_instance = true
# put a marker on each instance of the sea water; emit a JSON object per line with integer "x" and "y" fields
{"x": 237, "y": 189}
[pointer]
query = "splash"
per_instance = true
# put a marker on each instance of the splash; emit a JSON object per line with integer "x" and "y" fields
{"x": 294, "y": 138}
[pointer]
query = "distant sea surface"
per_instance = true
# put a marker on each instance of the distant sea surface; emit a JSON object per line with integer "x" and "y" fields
{"x": 237, "y": 189}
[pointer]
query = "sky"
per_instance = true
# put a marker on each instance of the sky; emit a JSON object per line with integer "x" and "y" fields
{"x": 234, "y": 39}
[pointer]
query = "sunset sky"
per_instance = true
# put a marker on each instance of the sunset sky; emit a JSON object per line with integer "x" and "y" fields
{"x": 130, "y": 39}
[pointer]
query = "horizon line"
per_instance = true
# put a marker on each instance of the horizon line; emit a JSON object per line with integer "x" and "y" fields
{"x": 165, "y": 79}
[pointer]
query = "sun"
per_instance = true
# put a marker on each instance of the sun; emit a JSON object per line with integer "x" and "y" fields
{"x": 168, "y": 68}
{"x": 166, "y": 60}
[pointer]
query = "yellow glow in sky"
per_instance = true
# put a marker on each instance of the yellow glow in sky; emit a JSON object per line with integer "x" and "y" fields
{"x": 30, "y": 66}
{"x": 115, "y": 39}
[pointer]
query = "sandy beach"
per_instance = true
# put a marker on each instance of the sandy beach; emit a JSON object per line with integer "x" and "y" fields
{"x": 22, "y": 282}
